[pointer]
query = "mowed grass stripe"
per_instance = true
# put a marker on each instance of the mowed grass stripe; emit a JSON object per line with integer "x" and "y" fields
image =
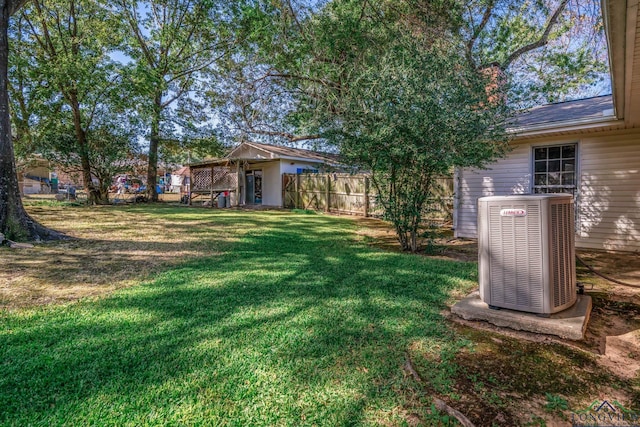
{"x": 292, "y": 321}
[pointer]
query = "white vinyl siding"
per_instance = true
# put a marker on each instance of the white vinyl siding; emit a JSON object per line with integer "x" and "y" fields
{"x": 271, "y": 182}
{"x": 609, "y": 193}
{"x": 510, "y": 175}
{"x": 608, "y": 204}
{"x": 291, "y": 166}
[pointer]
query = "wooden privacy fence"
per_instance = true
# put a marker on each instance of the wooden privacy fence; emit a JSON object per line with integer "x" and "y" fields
{"x": 354, "y": 194}
{"x": 341, "y": 193}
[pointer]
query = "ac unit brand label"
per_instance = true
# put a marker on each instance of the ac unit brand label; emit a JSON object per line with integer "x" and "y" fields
{"x": 513, "y": 212}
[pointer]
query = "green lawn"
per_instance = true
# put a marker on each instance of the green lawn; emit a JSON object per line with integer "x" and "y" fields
{"x": 280, "y": 319}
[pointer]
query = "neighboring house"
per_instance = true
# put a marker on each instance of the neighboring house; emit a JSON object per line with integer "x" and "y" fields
{"x": 589, "y": 148}
{"x": 66, "y": 178}
{"x": 253, "y": 173}
{"x": 34, "y": 176}
{"x": 180, "y": 180}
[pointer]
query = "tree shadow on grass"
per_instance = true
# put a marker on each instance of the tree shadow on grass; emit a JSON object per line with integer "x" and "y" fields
{"x": 295, "y": 326}
{"x": 116, "y": 247}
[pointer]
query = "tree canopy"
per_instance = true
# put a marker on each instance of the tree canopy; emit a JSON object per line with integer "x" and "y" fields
{"x": 553, "y": 50}
{"x": 546, "y": 51}
{"x": 389, "y": 85}
{"x": 66, "y": 91}
{"x": 404, "y": 89}
{"x": 15, "y": 223}
{"x": 409, "y": 89}
{"x": 174, "y": 46}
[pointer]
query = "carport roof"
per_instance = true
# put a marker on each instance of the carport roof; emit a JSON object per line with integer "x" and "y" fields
{"x": 247, "y": 151}
{"x": 282, "y": 152}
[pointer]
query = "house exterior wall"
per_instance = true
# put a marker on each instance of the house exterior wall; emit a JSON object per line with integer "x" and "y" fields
{"x": 609, "y": 193}
{"x": 271, "y": 182}
{"x": 608, "y": 187}
{"x": 509, "y": 175}
{"x": 31, "y": 186}
{"x": 290, "y": 166}
{"x": 176, "y": 180}
{"x": 272, "y": 178}
{"x": 248, "y": 152}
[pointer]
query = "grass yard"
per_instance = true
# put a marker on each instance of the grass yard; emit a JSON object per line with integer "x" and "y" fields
{"x": 179, "y": 316}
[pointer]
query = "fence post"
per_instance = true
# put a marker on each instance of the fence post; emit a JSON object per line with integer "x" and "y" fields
{"x": 296, "y": 202}
{"x": 327, "y": 190}
{"x": 366, "y": 196}
{"x": 284, "y": 190}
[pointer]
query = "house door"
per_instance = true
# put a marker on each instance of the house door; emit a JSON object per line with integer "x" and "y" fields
{"x": 254, "y": 187}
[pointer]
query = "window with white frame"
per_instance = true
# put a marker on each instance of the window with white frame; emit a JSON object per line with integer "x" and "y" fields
{"x": 555, "y": 168}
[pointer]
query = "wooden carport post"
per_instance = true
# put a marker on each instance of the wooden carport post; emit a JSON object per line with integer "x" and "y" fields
{"x": 211, "y": 187}
{"x": 238, "y": 183}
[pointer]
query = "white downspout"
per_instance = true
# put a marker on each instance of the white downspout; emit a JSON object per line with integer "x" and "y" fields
{"x": 456, "y": 200}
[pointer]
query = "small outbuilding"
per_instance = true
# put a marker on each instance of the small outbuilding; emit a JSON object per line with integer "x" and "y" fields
{"x": 34, "y": 176}
{"x": 252, "y": 173}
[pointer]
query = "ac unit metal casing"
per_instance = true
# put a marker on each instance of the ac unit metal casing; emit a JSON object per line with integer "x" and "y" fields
{"x": 526, "y": 252}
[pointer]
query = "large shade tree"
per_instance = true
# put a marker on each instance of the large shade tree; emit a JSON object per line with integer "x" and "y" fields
{"x": 66, "y": 89}
{"x": 173, "y": 45}
{"x": 406, "y": 89}
{"x": 110, "y": 142}
{"x": 553, "y": 49}
{"x": 388, "y": 84}
{"x": 14, "y": 221}
{"x": 548, "y": 50}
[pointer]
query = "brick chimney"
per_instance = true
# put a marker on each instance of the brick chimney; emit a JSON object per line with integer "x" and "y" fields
{"x": 496, "y": 81}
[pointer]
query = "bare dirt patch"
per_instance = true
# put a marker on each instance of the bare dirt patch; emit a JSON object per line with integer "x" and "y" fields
{"x": 443, "y": 245}
{"x": 110, "y": 248}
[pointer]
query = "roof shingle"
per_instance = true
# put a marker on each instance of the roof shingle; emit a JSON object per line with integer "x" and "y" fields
{"x": 570, "y": 111}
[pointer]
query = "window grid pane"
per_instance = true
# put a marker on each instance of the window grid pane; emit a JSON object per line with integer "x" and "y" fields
{"x": 554, "y": 169}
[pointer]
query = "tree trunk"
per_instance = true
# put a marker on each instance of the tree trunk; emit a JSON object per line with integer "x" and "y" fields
{"x": 154, "y": 142}
{"x": 402, "y": 237}
{"x": 414, "y": 241}
{"x": 104, "y": 182}
{"x": 95, "y": 196}
{"x": 15, "y": 223}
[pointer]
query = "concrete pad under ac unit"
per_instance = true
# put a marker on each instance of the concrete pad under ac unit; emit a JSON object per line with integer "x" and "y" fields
{"x": 570, "y": 323}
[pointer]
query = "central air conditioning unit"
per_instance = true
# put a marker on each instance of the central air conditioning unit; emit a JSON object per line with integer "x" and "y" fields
{"x": 526, "y": 252}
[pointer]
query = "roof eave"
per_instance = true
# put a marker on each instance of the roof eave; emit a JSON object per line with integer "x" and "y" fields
{"x": 615, "y": 25}
{"x": 208, "y": 162}
{"x": 230, "y": 156}
{"x": 305, "y": 159}
{"x": 545, "y": 129}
